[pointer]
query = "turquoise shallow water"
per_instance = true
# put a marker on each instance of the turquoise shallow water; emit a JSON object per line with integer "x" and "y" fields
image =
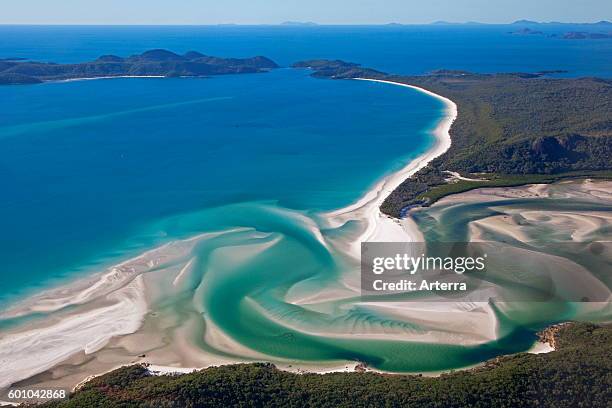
{"x": 82, "y": 164}
{"x": 86, "y": 165}
{"x": 94, "y": 172}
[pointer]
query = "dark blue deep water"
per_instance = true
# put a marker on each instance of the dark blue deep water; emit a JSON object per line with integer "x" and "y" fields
{"x": 406, "y": 50}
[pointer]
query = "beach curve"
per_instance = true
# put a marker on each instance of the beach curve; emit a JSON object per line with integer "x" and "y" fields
{"x": 378, "y": 226}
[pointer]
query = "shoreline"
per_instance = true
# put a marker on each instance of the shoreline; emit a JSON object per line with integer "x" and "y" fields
{"x": 381, "y": 227}
{"x": 113, "y": 351}
{"x": 378, "y": 227}
{"x": 50, "y": 81}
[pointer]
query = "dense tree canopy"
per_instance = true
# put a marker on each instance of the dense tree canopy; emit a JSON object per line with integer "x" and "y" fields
{"x": 578, "y": 374}
{"x": 508, "y": 125}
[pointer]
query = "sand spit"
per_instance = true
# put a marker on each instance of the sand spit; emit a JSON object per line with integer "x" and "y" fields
{"x": 114, "y": 304}
{"x": 108, "y": 321}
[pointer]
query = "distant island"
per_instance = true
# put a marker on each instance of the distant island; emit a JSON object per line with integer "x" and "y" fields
{"x": 511, "y": 129}
{"x": 530, "y": 22}
{"x": 598, "y": 24}
{"x": 529, "y": 28}
{"x": 157, "y": 62}
{"x": 570, "y": 35}
{"x": 527, "y": 31}
{"x": 583, "y": 35}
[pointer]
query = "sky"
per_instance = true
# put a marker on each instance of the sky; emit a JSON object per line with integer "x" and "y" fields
{"x": 277, "y": 11}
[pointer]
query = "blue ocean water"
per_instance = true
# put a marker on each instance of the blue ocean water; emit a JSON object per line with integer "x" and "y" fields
{"x": 93, "y": 172}
{"x": 394, "y": 49}
{"x": 84, "y": 164}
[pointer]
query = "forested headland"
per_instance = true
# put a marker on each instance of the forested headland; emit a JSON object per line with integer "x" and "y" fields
{"x": 511, "y": 129}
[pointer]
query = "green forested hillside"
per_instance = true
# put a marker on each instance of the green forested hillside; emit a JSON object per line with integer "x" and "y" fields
{"x": 519, "y": 125}
{"x": 578, "y": 374}
{"x": 515, "y": 127}
{"x": 508, "y": 126}
{"x": 153, "y": 62}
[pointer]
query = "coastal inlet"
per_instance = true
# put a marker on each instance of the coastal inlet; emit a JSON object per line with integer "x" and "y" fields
{"x": 256, "y": 279}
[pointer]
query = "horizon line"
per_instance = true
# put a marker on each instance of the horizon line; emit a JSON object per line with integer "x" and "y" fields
{"x": 309, "y": 24}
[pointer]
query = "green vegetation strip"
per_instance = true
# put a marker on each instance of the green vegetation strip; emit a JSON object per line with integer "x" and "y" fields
{"x": 460, "y": 186}
{"x": 577, "y": 374}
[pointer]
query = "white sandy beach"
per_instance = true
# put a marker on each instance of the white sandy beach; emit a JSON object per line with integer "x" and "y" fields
{"x": 105, "y": 77}
{"x": 382, "y": 228}
{"x": 110, "y": 322}
{"x": 116, "y": 302}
